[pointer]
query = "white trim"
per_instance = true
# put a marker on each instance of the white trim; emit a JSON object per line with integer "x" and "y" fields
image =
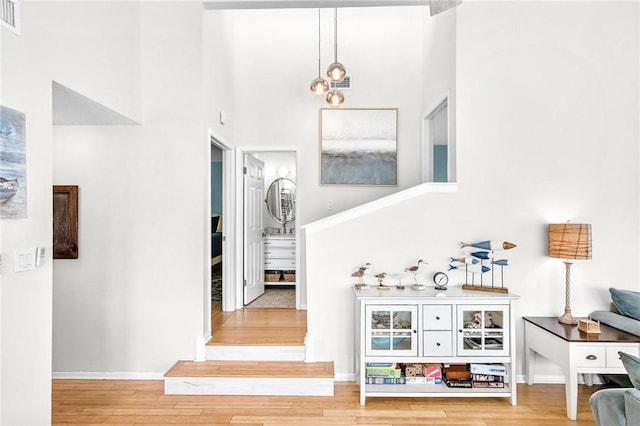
{"x": 100, "y": 375}
{"x": 556, "y": 379}
{"x": 379, "y": 204}
{"x": 344, "y": 377}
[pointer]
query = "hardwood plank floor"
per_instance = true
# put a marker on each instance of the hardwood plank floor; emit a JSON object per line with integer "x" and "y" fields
{"x": 258, "y": 326}
{"x": 129, "y": 402}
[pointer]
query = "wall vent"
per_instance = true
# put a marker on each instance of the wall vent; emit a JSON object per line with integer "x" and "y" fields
{"x": 343, "y": 85}
{"x": 10, "y": 15}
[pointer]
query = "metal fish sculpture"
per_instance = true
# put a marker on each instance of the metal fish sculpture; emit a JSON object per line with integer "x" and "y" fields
{"x": 501, "y": 262}
{"x": 464, "y": 260}
{"x": 476, "y": 269}
{"x": 491, "y": 245}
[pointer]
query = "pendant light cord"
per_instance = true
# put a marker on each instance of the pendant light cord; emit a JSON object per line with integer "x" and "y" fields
{"x": 335, "y": 35}
{"x": 319, "y": 42}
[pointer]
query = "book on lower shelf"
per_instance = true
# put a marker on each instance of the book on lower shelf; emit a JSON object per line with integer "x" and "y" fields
{"x": 487, "y": 384}
{"x": 492, "y": 369}
{"x": 384, "y": 380}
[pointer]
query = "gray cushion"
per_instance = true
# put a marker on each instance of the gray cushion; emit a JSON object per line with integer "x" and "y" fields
{"x": 627, "y": 302}
{"x": 632, "y": 365}
{"x": 617, "y": 321}
{"x": 608, "y": 408}
{"x": 632, "y": 406}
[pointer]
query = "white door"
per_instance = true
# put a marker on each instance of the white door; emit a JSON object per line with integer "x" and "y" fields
{"x": 253, "y": 228}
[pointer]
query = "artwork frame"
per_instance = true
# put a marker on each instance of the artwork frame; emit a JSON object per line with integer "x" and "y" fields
{"x": 13, "y": 164}
{"x": 359, "y": 146}
{"x": 65, "y": 221}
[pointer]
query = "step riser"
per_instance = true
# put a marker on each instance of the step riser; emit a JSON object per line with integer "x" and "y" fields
{"x": 248, "y": 386}
{"x": 255, "y": 353}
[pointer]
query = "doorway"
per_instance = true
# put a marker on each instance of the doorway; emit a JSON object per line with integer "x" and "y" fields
{"x": 270, "y": 261}
{"x": 232, "y": 309}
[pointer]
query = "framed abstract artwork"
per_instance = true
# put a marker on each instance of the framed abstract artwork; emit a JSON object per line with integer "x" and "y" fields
{"x": 65, "y": 221}
{"x": 358, "y": 146}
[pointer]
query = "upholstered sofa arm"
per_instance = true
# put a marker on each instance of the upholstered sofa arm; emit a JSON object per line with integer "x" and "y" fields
{"x": 621, "y": 322}
{"x": 632, "y": 406}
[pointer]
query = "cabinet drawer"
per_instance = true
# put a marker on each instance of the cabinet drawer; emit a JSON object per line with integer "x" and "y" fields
{"x": 279, "y": 243}
{"x": 279, "y": 252}
{"x": 289, "y": 264}
{"x": 590, "y": 356}
{"x": 613, "y": 359}
{"x": 436, "y": 317}
{"x": 437, "y": 343}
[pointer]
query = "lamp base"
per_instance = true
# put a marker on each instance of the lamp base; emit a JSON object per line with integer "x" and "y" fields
{"x": 567, "y": 318}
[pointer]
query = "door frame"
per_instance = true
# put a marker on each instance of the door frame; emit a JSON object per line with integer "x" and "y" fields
{"x": 228, "y": 287}
{"x": 228, "y": 226}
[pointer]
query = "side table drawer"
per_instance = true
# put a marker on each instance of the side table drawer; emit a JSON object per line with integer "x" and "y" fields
{"x": 613, "y": 359}
{"x": 437, "y": 343}
{"x": 436, "y": 317}
{"x": 590, "y": 356}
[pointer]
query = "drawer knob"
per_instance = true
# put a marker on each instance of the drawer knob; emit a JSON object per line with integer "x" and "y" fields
{"x": 438, "y": 344}
{"x": 591, "y": 357}
{"x": 438, "y": 318}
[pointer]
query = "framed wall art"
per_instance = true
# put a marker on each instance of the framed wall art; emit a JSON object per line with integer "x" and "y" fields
{"x": 65, "y": 221}
{"x": 13, "y": 164}
{"x": 358, "y": 146}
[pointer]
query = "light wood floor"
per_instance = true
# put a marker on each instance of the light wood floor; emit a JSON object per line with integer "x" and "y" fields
{"x": 258, "y": 326}
{"x": 143, "y": 402}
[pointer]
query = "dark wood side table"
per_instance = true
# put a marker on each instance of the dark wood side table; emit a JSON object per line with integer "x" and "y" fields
{"x": 575, "y": 351}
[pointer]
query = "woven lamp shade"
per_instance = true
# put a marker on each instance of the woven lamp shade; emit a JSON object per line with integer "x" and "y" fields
{"x": 570, "y": 240}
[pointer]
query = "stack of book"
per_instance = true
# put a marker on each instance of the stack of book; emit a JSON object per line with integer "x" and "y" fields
{"x": 487, "y": 375}
{"x": 383, "y": 373}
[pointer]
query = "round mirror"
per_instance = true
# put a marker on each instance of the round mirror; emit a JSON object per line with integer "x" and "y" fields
{"x": 281, "y": 200}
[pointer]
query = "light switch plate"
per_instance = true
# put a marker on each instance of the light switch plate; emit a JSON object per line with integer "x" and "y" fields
{"x": 24, "y": 260}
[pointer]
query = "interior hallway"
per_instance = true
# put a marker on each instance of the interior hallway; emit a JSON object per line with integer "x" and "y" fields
{"x": 258, "y": 326}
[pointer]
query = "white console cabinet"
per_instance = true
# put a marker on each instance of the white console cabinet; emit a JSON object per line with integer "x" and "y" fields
{"x": 452, "y": 326}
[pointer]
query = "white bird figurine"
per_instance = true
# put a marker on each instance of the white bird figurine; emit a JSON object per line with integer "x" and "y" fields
{"x": 415, "y": 270}
{"x": 362, "y": 271}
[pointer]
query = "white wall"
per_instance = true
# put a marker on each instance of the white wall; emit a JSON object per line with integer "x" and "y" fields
{"x": 547, "y": 131}
{"x": 275, "y": 60}
{"x": 132, "y": 303}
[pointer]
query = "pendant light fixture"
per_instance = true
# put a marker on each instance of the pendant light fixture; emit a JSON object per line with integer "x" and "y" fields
{"x": 336, "y": 70}
{"x": 335, "y": 98}
{"x": 319, "y": 86}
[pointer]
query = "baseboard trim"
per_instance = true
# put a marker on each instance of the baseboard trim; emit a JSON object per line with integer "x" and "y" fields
{"x": 556, "y": 380}
{"x": 65, "y": 375}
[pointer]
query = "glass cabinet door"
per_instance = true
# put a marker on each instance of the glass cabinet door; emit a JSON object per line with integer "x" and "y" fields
{"x": 483, "y": 330}
{"x": 391, "y": 330}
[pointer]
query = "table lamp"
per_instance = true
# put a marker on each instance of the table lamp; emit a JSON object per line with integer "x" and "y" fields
{"x": 569, "y": 241}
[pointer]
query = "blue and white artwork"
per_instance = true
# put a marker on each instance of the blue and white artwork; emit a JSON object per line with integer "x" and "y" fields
{"x": 13, "y": 164}
{"x": 358, "y": 147}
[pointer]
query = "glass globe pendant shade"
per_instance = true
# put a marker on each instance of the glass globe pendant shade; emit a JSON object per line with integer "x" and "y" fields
{"x": 336, "y": 72}
{"x": 319, "y": 86}
{"x": 335, "y": 98}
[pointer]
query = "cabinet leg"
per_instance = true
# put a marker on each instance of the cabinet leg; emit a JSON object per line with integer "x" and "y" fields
{"x": 530, "y": 364}
{"x": 588, "y": 379}
{"x": 571, "y": 392}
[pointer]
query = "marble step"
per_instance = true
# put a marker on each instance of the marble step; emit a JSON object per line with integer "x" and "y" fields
{"x": 250, "y": 378}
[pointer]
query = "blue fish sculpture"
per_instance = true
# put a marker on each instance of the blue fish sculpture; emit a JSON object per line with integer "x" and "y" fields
{"x": 491, "y": 245}
{"x": 501, "y": 262}
{"x": 482, "y": 254}
{"x": 464, "y": 260}
{"x": 471, "y": 268}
